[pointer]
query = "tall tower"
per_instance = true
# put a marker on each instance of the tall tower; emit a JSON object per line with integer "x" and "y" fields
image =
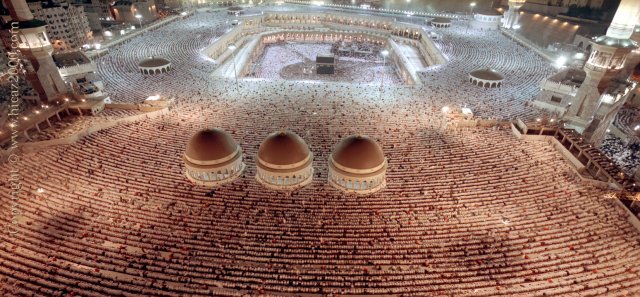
{"x": 35, "y": 47}
{"x": 512, "y": 16}
{"x": 593, "y": 101}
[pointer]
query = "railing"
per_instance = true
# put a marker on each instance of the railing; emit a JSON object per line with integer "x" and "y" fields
{"x": 593, "y": 160}
{"x": 40, "y": 145}
{"x": 559, "y": 87}
{"x": 76, "y": 69}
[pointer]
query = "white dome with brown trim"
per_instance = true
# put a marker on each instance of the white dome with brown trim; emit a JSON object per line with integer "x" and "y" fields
{"x": 440, "y": 22}
{"x": 486, "y": 77}
{"x": 284, "y": 161}
{"x": 154, "y": 65}
{"x": 212, "y": 158}
{"x": 357, "y": 165}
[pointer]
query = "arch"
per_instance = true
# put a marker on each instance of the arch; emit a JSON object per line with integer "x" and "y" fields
{"x": 580, "y": 44}
{"x": 486, "y": 85}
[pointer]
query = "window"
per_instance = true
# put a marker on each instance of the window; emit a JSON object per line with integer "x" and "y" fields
{"x": 42, "y": 37}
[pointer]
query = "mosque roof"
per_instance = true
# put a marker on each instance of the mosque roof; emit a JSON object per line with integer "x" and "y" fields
{"x": 441, "y": 20}
{"x": 486, "y": 74}
{"x": 210, "y": 145}
{"x": 489, "y": 11}
{"x": 358, "y": 152}
{"x": 283, "y": 148}
{"x": 154, "y": 62}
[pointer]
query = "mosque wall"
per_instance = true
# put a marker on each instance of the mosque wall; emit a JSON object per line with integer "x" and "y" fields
{"x": 544, "y": 30}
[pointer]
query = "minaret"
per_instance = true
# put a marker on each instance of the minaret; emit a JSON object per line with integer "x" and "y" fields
{"x": 35, "y": 47}
{"x": 512, "y": 16}
{"x": 607, "y": 59}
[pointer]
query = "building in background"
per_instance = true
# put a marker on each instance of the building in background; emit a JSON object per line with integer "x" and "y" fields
{"x": 67, "y": 25}
{"x": 605, "y": 88}
{"x": 126, "y": 11}
{"x": 569, "y": 3}
{"x": 35, "y": 48}
{"x": 80, "y": 73}
{"x": 97, "y": 12}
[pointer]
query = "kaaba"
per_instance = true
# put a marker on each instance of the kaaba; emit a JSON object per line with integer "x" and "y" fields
{"x": 325, "y": 64}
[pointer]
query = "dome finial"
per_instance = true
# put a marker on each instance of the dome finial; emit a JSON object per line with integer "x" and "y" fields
{"x": 283, "y": 130}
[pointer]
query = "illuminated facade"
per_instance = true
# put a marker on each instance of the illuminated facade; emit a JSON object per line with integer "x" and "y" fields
{"x": 600, "y": 95}
{"x": 36, "y": 49}
{"x": 67, "y": 25}
{"x": 512, "y": 16}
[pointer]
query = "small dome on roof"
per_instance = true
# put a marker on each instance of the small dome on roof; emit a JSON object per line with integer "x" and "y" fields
{"x": 440, "y": 20}
{"x": 154, "y": 62}
{"x": 283, "y": 148}
{"x": 489, "y": 11}
{"x": 487, "y": 74}
{"x": 210, "y": 145}
{"x": 358, "y": 152}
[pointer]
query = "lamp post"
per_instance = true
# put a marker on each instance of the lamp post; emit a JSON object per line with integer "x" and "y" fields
{"x": 471, "y": 6}
{"x": 139, "y": 17}
{"x": 384, "y": 54}
{"x": 445, "y": 111}
{"x": 233, "y": 53}
{"x": 408, "y": 1}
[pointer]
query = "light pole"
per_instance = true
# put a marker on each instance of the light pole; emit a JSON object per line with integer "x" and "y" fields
{"x": 445, "y": 111}
{"x": 408, "y": 1}
{"x": 233, "y": 53}
{"x": 471, "y": 5}
{"x": 384, "y": 54}
{"x": 139, "y": 17}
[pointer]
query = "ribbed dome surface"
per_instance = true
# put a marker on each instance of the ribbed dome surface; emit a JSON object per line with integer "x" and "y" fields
{"x": 210, "y": 144}
{"x": 358, "y": 152}
{"x": 283, "y": 148}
